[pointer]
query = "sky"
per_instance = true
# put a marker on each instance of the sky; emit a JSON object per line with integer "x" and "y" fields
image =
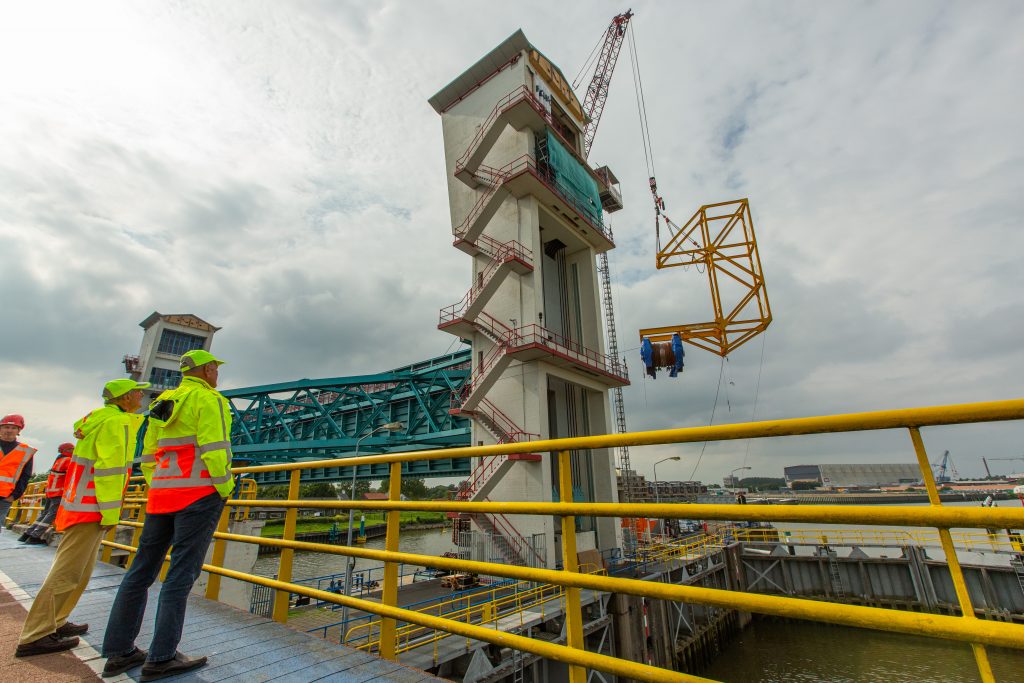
{"x": 274, "y": 168}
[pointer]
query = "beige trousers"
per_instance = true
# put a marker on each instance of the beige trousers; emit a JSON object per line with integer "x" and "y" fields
{"x": 69, "y": 575}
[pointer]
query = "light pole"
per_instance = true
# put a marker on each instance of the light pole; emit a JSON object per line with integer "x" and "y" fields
{"x": 657, "y": 489}
{"x": 351, "y": 564}
{"x": 732, "y": 475}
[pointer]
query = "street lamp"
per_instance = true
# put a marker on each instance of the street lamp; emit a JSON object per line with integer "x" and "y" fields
{"x": 351, "y": 564}
{"x": 732, "y": 475}
{"x": 657, "y": 489}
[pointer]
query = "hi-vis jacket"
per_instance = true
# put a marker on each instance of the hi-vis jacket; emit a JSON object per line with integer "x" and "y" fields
{"x": 58, "y": 473}
{"x": 11, "y": 466}
{"x": 188, "y": 457}
{"x": 98, "y": 473}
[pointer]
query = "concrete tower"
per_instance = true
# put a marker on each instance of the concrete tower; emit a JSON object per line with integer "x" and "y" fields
{"x": 165, "y": 339}
{"x": 529, "y": 212}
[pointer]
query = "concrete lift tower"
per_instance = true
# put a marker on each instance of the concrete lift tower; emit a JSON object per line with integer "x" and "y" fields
{"x": 528, "y": 210}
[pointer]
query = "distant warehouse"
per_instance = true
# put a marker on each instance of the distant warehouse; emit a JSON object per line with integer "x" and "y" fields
{"x": 853, "y": 476}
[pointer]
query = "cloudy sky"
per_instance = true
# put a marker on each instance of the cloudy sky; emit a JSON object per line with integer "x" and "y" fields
{"x": 274, "y": 167}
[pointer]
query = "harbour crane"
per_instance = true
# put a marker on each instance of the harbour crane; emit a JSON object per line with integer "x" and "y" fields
{"x": 947, "y": 462}
{"x": 985, "y": 462}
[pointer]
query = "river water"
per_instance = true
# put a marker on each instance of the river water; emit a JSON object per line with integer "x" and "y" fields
{"x": 772, "y": 650}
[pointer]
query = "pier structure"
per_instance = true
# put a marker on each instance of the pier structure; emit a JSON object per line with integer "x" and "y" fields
{"x": 529, "y": 211}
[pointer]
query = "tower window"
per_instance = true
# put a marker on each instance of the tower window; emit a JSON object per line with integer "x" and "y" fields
{"x": 178, "y": 343}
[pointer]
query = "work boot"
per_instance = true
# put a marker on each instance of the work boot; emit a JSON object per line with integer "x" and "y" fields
{"x": 24, "y": 537}
{"x": 118, "y": 665}
{"x": 46, "y": 645}
{"x": 153, "y": 671}
{"x": 69, "y": 629}
{"x": 32, "y": 540}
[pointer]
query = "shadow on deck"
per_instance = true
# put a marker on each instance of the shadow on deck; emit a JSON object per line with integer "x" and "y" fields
{"x": 242, "y": 647}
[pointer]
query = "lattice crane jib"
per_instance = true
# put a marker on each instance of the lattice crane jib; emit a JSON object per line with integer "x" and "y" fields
{"x": 593, "y": 108}
{"x": 597, "y": 91}
{"x": 718, "y": 240}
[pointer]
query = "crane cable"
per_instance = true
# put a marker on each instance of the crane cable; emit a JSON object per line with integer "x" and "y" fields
{"x": 641, "y": 104}
{"x": 589, "y": 61}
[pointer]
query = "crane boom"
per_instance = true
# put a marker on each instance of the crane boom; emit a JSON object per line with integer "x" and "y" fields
{"x": 597, "y": 91}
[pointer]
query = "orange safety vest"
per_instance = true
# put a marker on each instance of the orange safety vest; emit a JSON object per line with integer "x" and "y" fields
{"x": 79, "y": 504}
{"x": 11, "y": 466}
{"x": 180, "y": 477}
{"x": 55, "y": 482}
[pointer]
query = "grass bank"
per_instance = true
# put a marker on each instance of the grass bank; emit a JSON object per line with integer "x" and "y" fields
{"x": 275, "y": 528}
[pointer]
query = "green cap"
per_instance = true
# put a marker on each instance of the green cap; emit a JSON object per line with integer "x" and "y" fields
{"x": 119, "y": 387}
{"x": 193, "y": 359}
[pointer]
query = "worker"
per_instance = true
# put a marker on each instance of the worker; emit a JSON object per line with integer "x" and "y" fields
{"x": 186, "y": 460}
{"x": 90, "y": 506}
{"x": 54, "y": 490}
{"x": 15, "y": 464}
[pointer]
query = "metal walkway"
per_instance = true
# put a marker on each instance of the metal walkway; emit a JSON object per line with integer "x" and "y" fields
{"x": 242, "y": 647}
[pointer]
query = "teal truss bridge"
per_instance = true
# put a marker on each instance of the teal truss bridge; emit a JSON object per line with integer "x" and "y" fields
{"x": 314, "y": 419}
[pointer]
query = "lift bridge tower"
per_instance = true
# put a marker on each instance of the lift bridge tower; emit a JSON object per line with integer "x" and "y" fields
{"x": 529, "y": 211}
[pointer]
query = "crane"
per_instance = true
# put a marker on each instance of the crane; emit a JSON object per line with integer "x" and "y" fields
{"x": 985, "y": 462}
{"x": 941, "y": 477}
{"x": 593, "y": 108}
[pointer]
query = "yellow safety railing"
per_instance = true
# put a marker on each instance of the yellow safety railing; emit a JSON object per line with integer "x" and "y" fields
{"x": 966, "y": 628}
{"x": 483, "y": 607}
{"x": 991, "y": 541}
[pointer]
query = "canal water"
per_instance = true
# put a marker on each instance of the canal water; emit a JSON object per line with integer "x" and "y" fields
{"x": 772, "y": 650}
{"x": 778, "y": 651}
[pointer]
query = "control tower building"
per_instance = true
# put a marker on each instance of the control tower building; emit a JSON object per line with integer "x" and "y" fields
{"x": 529, "y": 212}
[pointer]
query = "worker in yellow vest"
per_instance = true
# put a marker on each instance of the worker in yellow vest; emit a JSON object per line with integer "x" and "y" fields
{"x": 187, "y": 461}
{"x": 91, "y": 505}
{"x": 53, "y": 493}
{"x": 15, "y": 464}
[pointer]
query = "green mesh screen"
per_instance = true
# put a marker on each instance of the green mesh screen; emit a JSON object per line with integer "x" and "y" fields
{"x": 573, "y": 179}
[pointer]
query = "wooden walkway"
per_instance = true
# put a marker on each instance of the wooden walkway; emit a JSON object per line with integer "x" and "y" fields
{"x": 242, "y": 647}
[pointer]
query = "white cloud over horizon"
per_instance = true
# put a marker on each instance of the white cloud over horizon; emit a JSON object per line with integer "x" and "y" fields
{"x": 275, "y": 169}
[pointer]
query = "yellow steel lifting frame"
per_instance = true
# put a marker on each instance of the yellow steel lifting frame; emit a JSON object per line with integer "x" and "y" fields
{"x": 720, "y": 238}
{"x": 978, "y": 633}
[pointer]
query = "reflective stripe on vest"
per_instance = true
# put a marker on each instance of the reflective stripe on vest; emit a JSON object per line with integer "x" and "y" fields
{"x": 81, "y": 498}
{"x": 169, "y": 473}
{"x": 12, "y": 465}
{"x": 55, "y": 482}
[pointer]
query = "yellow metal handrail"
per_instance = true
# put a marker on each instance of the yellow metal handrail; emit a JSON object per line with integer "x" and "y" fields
{"x": 965, "y": 628}
{"x": 971, "y": 541}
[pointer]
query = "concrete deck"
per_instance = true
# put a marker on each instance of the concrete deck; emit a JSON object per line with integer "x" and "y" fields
{"x": 242, "y": 647}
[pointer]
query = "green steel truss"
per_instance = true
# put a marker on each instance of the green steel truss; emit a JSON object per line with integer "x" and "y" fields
{"x": 317, "y": 419}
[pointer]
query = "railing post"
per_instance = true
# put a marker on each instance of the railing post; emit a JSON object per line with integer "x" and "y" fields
{"x": 570, "y": 563}
{"x": 955, "y": 572}
{"x": 389, "y": 596}
{"x": 108, "y": 552}
{"x": 284, "y": 569}
{"x": 217, "y": 558}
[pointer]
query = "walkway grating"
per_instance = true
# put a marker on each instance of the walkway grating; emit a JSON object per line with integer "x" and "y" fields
{"x": 242, "y": 647}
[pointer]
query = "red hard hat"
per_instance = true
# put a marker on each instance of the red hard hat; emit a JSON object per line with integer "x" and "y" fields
{"x": 16, "y": 420}
{"x": 66, "y": 448}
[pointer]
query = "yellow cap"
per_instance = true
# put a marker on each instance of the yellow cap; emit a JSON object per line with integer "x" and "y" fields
{"x": 119, "y": 387}
{"x": 193, "y": 359}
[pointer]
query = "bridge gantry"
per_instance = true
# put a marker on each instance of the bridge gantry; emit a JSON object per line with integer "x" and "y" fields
{"x": 314, "y": 419}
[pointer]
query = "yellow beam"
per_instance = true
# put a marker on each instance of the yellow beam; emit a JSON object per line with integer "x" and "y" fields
{"x": 995, "y": 633}
{"x": 887, "y": 515}
{"x": 991, "y": 411}
{"x": 389, "y": 595}
{"x": 284, "y": 567}
{"x": 573, "y": 609}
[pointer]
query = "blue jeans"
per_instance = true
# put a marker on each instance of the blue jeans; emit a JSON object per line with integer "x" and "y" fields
{"x": 187, "y": 533}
